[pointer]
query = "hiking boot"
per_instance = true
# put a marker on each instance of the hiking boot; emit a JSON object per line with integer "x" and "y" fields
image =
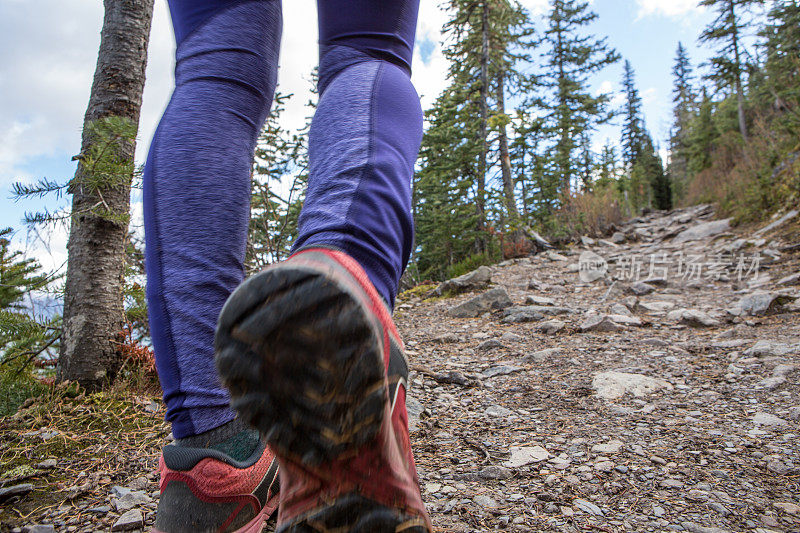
{"x": 313, "y": 360}
{"x": 205, "y": 490}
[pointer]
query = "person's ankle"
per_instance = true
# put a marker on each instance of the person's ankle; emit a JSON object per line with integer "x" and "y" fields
{"x": 234, "y": 438}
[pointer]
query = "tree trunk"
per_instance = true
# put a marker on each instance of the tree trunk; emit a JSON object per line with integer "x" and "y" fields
{"x": 738, "y": 71}
{"x": 505, "y": 160}
{"x": 484, "y": 103}
{"x": 522, "y": 182}
{"x": 563, "y": 147}
{"x": 93, "y": 308}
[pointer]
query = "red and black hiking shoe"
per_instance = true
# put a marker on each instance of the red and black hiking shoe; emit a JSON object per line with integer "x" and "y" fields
{"x": 204, "y": 490}
{"x": 313, "y": 360}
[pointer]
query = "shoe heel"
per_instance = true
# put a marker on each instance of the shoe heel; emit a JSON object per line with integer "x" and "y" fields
{"x": 303, "y": 362}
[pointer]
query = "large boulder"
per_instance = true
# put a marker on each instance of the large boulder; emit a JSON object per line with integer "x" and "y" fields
{"x": 477, "y": 279}
{"x": 592, "y": 267}
{"x": 475, "y": 307}
{"x": 762, "y": 302}
{"x": 613, "y": 385}
{"x": 703, "y": 231}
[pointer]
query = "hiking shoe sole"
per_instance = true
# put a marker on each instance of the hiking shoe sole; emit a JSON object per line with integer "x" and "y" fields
{"x": 303, "y": 363}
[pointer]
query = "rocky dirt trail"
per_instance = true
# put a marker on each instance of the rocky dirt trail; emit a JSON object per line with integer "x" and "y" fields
{"x": 647, "y": 382}
{"x": 643, "y": 383}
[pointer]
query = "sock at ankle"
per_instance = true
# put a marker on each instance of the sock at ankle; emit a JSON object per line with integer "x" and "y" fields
{"x": 235, "y": 439}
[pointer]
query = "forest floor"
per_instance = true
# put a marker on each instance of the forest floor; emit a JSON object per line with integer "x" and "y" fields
{"x": 647, "y": 382}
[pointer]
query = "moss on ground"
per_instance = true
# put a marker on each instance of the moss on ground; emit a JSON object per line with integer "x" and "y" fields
{"x": 97, "y": 440}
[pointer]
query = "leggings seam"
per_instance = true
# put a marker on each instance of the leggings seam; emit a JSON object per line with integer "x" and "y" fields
{"x": 376, "y": 267}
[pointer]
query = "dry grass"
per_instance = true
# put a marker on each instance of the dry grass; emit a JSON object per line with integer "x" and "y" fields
{"x": 590, "y": 214}
{"x": 98, "y": 441}
{"x": 749, "y": 182}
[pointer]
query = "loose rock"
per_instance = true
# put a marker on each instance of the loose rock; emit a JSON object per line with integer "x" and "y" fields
{"x": 703, "y": 231}
{"x": 477, "y": 279}
{"x": 132, "y": 519}
{"x": 526, "y": 455}
{"x": 492, "y": 299}
{"x": 613, "y": 385}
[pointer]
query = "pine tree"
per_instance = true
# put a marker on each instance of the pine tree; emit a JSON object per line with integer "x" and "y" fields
{"x": 527, "y": 161}
{"x": 23, "y": 336}
{"x": 280, "y": 167}
{"x": 513, "y": 36}
{"x": 648, "y": 186}
{"x": 632, "y": 127}
{"x": 606, "y": 167}
{"x": 701, "y": 137}
{"x": 571, "y": 107}
{"x": 18, "y": 276}
{"x": 782, "y": 63}
{"x": 683, "y": 99}
{"x": 467, "y": 142}
{"x": 586, "y": 163}
{"x": 94, "y": 292}
{"x": 726, "y": 31}
{"x": 659, "y": 181}
{"x": 445, "y": 214}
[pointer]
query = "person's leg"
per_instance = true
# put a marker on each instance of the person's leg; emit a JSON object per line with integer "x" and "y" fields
{"x": 218, "y": 476}
{"x": 197, "y": 193}
{"x": 308, "y": 347}
{"x": 364, "y": 137}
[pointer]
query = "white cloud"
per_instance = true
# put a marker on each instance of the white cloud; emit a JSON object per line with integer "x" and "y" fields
{"x": 650, "y": 96}
{"x": 430, "y": 76}
{"x": 668, "y": 8}
{"x": 536, "y": 7}
{"x": 48, "y": 63}
{"x": 45, "y": 76}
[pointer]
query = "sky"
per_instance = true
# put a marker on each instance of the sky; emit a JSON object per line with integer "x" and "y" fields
{"x": 48, "y": 62}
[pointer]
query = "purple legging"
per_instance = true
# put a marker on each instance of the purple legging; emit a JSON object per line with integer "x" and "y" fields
{"x": 363, "y": 143}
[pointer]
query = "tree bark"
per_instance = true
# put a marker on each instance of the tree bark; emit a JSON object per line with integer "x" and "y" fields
{"x": 738, "y": 73}
{"x": 563, "y": 147}
{"x": 505, "y": 159}
{"x": 93, "y": 307}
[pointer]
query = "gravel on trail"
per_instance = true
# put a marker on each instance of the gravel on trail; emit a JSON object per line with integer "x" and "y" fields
{"x": 644, "y": 383}
{"x": 684, "y": 418}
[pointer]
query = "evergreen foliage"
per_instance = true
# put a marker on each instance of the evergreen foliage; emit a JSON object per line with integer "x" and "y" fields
{"x": 647, "y": 184}
{"x": 23, "y": 337}
{"x": 728, "y": 67}
{"x": 280, "y": 176}
{"x": 278, "y": 185}
{"x": 466, "y": 145}
{"x": 571, "y": 108}
{"x": 684, "y": 101}
{"x": 632, "y": 127}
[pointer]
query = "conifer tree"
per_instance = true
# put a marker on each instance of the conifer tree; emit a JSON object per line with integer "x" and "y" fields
{"x": 702, "y": 134}
{"x": 726, "y": 31}
{"x": 445, "y": 215}
{"x": 23, "y": 336}
{"x": 278, "y": 185}
{"x": 467, "y": 140}
{"x": 648, "y": 186}
{"x": 18, "y": 275}
{"x": 93, "y": 294}
{"x": 571, "y": 59}
{"x": 632, "y": 128}
{"x": 683, "y": 99}
{"x": 782, "y": 63}
{"x": 527, "y": 161}
{"x": 586, "y": 163}
{"x": 606, "y": 167}
{"x": 654, "y": 168}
